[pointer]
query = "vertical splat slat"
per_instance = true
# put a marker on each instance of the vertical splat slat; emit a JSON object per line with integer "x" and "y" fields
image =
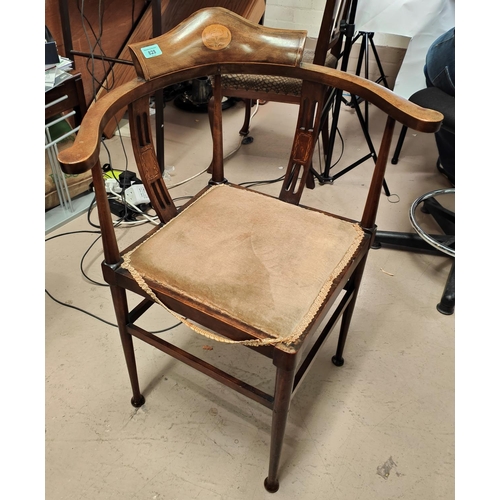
{"x": 147, "y": 162}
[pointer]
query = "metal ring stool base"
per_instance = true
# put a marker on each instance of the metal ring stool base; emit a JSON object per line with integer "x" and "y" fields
{"x": 435, "y": 244}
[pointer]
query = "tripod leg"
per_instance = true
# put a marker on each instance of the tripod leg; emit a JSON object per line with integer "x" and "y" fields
{"x": 373, "y": 153}
{"x": 337, "y": 100}
{"x": 364, "y": 127}
{"x": 362, "y": 53}
{"x": 399, "y": 145}
{"x": 367, "y": 72}
{"x": 382, "y": 77}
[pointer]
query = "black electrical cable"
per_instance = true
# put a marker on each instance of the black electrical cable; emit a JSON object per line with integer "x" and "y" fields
{"x": 89, "y": 211}
{"x": 95, "y": 282}
{"x": 342, "y": 149}
{"x": 103, "y": 320}
{"x": 108, "y": 68}
{"x": 71, "y": 232}
{"x": 260, "y": 183}
{"x": 86, "y": 252}
{"x": 79, "y": 309}
{"x": 83, "y": 258}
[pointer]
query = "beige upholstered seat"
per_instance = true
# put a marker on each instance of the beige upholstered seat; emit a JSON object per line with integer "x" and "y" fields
{"x": 245, "y": 255}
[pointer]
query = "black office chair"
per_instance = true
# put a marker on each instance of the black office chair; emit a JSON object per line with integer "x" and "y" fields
{"x": 420, "y": 241}
{"x": 433, "y": 98}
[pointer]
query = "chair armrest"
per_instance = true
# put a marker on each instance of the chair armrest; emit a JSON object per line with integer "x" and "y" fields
{"x": 399, "y": 108}
{"x": 84, "y": 153}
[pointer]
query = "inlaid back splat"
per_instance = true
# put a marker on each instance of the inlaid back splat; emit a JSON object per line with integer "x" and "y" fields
{"x": 147, "y": 162}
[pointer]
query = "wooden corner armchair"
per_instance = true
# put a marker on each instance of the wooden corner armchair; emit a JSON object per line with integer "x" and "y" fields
{"x": 236, "y": 265}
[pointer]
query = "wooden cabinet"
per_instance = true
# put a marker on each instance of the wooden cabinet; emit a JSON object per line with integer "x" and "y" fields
{"x": 102, "y": 31}
{"x": 106, "y": 27}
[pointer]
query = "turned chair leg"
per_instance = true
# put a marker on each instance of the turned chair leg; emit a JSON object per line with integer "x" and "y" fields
{"x": 282, "y": 398}
{"x": 120, "y": 303}
{"x": 245, "y": 129}
{"x": 337, "y": 359}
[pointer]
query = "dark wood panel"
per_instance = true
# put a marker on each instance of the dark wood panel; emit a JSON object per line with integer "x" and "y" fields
{"x": 108, "y": 30}
{"x": 177, "y": 11}
{"x": 102, "y": 31}
{"x": 173, "y": 12}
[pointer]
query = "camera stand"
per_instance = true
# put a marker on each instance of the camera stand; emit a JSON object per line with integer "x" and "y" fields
{"x": 335, "y": 99}
{"x": 366, "y": 44}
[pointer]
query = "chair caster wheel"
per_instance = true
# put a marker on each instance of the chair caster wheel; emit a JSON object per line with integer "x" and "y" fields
{"x": 337, "y": 361}
{"x": 247, "y": 140}
{"x": 139, "y": 402}
{"x": 272, "y": 488}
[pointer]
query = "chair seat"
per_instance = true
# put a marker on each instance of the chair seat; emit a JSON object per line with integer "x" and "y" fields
{"x": 273, "y": 84}
{"x": 266, "y": 263}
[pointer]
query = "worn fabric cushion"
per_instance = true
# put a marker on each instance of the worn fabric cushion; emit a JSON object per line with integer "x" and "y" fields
{"x": 272, "y": 84}
{"x": 264, "y": 262}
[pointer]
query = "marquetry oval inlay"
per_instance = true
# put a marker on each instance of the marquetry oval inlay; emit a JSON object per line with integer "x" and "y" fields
{"x": 216, "y": 37}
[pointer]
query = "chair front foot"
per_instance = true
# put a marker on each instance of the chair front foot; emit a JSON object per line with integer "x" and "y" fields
{"x": 271, "y": 487}
{"x": 337, "y": 361}
{"x": 137, "y": 403}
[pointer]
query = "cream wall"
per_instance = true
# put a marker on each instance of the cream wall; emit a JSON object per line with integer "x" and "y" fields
{"x": 306, "y": 14}
{"x": 403, "y": 29}
{"x": 295, "y": 14}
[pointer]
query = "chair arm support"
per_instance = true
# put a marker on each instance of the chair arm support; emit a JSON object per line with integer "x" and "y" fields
{"x": 84, "y": 153}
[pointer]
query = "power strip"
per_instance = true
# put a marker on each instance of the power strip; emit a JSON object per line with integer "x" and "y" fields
{"x": 136, "y": 195}
{"x": 112, "y": 186}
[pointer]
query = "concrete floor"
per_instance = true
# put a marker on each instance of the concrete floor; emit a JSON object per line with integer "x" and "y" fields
{"x": 381, "y": 427}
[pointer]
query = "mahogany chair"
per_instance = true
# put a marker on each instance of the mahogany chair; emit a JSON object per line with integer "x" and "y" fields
{"x": 233, "y": 264}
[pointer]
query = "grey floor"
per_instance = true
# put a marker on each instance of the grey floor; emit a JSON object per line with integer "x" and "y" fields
{"x": 381, "y": 427}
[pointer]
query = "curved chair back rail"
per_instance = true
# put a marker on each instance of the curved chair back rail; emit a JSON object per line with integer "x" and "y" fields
{"x": 217, "y": 35}
{"x": 84, "y": 153}
{"x": 281, "y": 51}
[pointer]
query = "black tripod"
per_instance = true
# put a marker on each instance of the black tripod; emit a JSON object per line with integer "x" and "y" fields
{"x": 335, "y": 99}
{"x": 366, "y": 44}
